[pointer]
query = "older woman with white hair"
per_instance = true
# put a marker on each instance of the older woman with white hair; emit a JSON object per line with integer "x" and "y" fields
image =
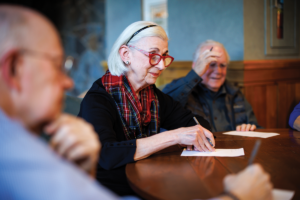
{"x": 127, "y": 110}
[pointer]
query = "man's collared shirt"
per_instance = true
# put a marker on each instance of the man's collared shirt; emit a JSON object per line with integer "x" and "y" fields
{"x": 29, "y": 169}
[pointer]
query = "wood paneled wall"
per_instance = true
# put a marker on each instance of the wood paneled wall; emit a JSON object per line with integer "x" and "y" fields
{"x": 176, "y": 70}
{"x": 272, "y": 87}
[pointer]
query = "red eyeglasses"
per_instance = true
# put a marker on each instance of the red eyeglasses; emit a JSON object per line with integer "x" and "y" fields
{"x": 154, "y": 58}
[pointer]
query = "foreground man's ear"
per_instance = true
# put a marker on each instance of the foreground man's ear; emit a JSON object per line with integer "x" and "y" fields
{"x": 9, "y": 69}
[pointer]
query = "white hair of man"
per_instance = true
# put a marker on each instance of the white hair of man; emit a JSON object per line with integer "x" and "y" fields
{"x": 12, "y": 25}
{"x": 116, "y": 65}
{"x": 207, "y": 43}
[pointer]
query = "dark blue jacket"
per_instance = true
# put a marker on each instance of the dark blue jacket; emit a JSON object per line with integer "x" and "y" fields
{"x": 186, "y": 91}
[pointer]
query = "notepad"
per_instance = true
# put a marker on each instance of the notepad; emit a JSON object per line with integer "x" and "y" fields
{"x": 279, "y": 194}
{"x": 218, "y": 153}
{"x": 251, "y": 134}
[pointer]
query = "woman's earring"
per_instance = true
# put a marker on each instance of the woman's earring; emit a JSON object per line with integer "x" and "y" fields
{"x": 127, "y": 62}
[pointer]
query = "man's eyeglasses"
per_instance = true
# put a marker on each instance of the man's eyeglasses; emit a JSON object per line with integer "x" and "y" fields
{"x": 154, "y": 58}
{"x": 66, "y": 65}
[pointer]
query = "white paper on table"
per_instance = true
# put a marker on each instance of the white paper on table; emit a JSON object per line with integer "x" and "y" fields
{"x": 279, "y": 194}
{"x": 218, "y": 153}
{"x": 251, "y": 134}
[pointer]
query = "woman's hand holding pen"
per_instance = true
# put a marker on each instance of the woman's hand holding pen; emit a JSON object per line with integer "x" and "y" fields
{"x": 188, "y": 136}
{"x": 195, "y": 136}
{"x": 203, "y": 61}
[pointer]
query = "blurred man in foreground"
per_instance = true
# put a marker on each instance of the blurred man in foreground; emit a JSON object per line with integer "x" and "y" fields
{"x": 31, "y": 86}
{"x": 205, "y": 92}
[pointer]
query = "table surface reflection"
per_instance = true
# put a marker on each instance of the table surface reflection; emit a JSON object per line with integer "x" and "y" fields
{"x": 167, "y": 175}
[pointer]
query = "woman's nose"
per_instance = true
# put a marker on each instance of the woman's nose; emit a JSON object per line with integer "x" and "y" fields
{"x": 161, "y": 64}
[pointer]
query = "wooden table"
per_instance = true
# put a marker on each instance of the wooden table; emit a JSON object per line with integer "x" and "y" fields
{"x": 169, "y": 176}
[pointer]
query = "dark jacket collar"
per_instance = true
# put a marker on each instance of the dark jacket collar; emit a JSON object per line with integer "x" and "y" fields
{"x": 230, "y": 88}
{"x": 226, "y": 88}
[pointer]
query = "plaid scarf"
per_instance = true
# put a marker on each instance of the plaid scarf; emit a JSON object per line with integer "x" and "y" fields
{"x": 139, "y": 118}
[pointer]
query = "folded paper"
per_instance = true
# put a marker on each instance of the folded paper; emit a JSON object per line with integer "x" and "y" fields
{"x": 251, "y": 134}
{"x": 218, "y": 153}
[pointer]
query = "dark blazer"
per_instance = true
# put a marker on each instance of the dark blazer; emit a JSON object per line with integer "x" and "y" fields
{"x": 99, "y": 109}
{"x": 186, "y": 90}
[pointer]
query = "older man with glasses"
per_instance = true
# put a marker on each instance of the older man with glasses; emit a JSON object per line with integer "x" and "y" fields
{"x": 32, "y": 85}
{"x": 205, "y": 91}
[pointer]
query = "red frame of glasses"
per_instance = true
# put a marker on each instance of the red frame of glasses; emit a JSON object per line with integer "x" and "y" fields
{"x": 150, "y": 55}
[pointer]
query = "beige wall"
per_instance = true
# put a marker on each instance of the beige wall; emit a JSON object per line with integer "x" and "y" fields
{"x": 254, "y": 31}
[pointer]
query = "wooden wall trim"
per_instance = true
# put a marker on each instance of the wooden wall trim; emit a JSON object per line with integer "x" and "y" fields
{"x": 247, "y": 64}
{"x": 180, "y": 65}
{"x": 233, "y": 65}
{"x": 271, "y": 70}
{"x": 271, "y": 64}
{"x": 243, "y": 72}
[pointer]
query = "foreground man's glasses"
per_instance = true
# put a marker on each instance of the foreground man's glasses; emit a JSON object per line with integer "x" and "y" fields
{"x": 65, "y": 66}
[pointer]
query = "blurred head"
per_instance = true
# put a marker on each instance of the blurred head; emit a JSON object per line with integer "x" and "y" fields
{"x": 125, "y": 59}
{"x": 215, "y": 75}
{"x": 31, "y": 74}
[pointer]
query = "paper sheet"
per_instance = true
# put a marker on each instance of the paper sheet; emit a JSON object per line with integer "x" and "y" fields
{"x": 251, "y": 134}
{"x": 218, "y": 153}
{"x": 279, "y": 194}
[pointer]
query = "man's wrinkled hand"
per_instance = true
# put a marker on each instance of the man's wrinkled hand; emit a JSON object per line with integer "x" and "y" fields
{"x": 75, "y": 140}
{"x": 203, "y": 61}
{"x": 246, "y": 127}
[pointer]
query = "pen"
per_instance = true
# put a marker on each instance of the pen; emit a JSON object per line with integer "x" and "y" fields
{"x": 254, "y": 152}
{"x": 200, "y": 125}
{"x": 211, "y": 48}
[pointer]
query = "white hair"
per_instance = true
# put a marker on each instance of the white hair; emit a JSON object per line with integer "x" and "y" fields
{"x": 206, "y": 43}
{"x": 12, "y": 24}
{"x": 116, "y": 65}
